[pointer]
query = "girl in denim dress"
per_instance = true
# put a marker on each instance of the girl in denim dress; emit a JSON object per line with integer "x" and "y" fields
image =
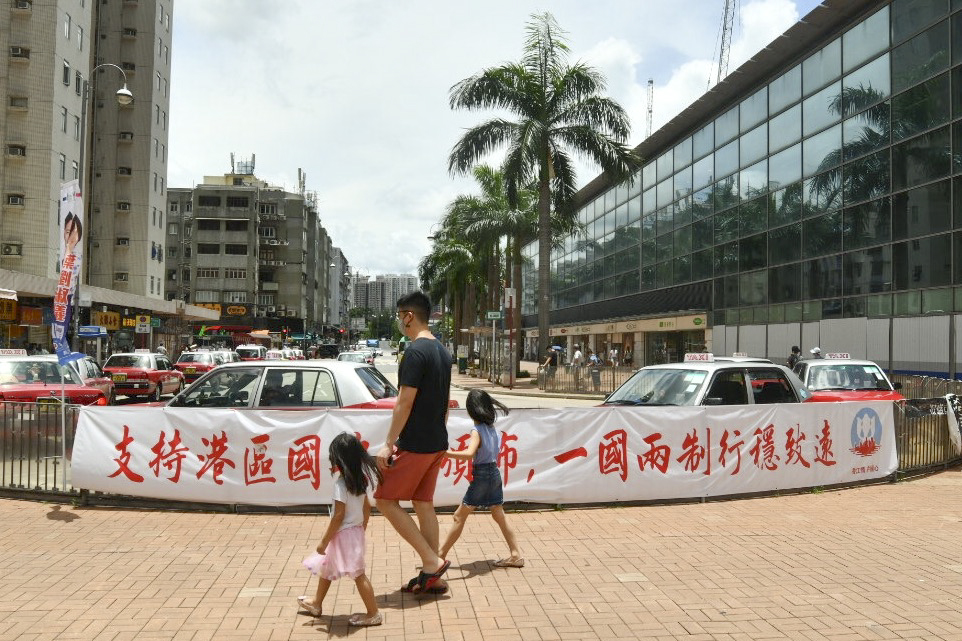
{"x": 485, "y": 489}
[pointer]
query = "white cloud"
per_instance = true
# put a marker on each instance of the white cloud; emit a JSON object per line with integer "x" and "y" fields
{"x": 356, "y": 94}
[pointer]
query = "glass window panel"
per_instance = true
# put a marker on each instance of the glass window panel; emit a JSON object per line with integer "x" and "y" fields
{"x": 786, "y": 128}
{"x": 936, "y": 301}
{"x": 753, "y": 216}
{"x": 664, "y": 220}
{"x": 647, "y": 278}
{"x": 924, "y": 55}
{"x": 754, "y": 180}
{"x": 957, "y": 201}
{"x": 878, "y": 306}
{"x": 726, "y": 126}
{"x": 683, "y": 154}
{"x": 822, "y": 151}
{"x": 701, "y": 264}
{"x": 786, "y": 206}
{"x": 682, "y": 241}
{"x": 703, "y": 141}
{"x": 822, "y": 277}
{"x": 648, "y": 174}
{"x": 821, "y": 194}
{"x": 634, "y": 187}
{"x": 701, "y": 234}
{"x": 634, "y": 209}
{"x": 753, "y": 145}
{"x": 725, "y": 192}
{"x": 866, "y": 86}
{"x": 822, "y": 67}
{"x": 785, "y": 167}
{"x": 957, "y": 145}
{"x": 868, "y": 271}
{"x": 785, "y": 244}
{"x": 726, "y": 159}
{"x": 702, "y": 203}
{"x": 703, "y": 171}
{"x": 648, "y": 227}
{"x": 683, "y": 183}
{"x": 621, "y": 193}
{"x": 663, "y": 274}
{"x": 909, "y": 16}
{"x": 683, "y": 212}
{"x": 822, "y": 235}
{"x": 666, "y": 165}
{"x": 922, "y": 211}
{"x": 753, "y": 253}
{"x": 822, "y": 109}
{"x": 921, "y": 159}
{"x": 785, "y": 283}
{"x": 726, "y": 226}
{"x": 649, "y": 202}
{"x": 726, "y": 258}
{"x": 610, "y": 220}
{"x": 866, "y": 132}
{"x": 754, "y": 109}
{"x": 866, "y": 178}
{"x": 785, "y": 89}
{"x": 753, "y": 288}
{"x": 921, "y": 107}
{"x": 922, "y": 262}
{"x": 868, "y": 224}
{"x": 865, "y": 39}
{"x": 957, "y": 251}
{"x": 666, "y": 192}
{"x": 957, "y": 38}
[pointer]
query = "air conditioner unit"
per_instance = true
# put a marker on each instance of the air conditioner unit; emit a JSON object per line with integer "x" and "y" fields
{"x": 281, "y": 308}
{"x": 271, "y": 308}
{"x": 19, "y": 52}
{"x": 11, "y": 249}
{"x": 125, "y": 171}
{"x": 292, "y": 312}
{"x": 15, "y": 200}
{"x": 126, "y": 135}
{"x": 122, "y": 276}
{"x": 123, "y": 242}
{"x": 24, "y": 4}
{"x": 123, "y": 206}
{"x": 272, "y": 241}
{"x": 16, "y": 150}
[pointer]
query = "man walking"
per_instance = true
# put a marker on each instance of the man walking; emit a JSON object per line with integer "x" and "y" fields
{"x": 417, "y": 440}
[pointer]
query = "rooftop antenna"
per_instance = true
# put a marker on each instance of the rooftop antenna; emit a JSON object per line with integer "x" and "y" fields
{"x": 725, "y": 39}
{"x": 651, "y": 101}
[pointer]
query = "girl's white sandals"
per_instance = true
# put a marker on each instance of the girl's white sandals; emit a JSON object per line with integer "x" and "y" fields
{"x": 313, "y": 610}
{"x": 359, "y": 620}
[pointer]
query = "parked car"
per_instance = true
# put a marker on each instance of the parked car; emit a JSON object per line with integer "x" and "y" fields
{"x": 709, "y": 382}
{"x": 252, "y": 352}
{"x": 290, "y": 385}
{"x": 356, "y": 357}
{"x": 840, "y": 378}
{"x": 195, "y": 364}
{"x": 40, "y": 378}
{"x": 144, "y": 374}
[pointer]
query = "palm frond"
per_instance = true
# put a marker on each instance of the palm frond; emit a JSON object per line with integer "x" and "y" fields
{"x": 478, "y": 142}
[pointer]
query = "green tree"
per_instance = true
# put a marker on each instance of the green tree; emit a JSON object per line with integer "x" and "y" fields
{"x": 559, "y": 111}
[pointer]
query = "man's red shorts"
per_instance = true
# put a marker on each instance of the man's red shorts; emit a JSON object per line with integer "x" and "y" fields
{"x": 411, "y": 476}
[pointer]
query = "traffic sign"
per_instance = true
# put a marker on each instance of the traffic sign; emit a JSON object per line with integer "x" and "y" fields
{"x": 494, "y": 316}
{"x": 143, "y": 324}
{"x": 91, "y": 331}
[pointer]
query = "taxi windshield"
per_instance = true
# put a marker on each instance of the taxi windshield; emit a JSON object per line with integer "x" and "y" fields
{"x": 189, "y": 357}
{"x": 19, "y": 372}
{"x": 660, "y": 387}
{"x": 128, "y": 360}
{"x": 847, "y": 376}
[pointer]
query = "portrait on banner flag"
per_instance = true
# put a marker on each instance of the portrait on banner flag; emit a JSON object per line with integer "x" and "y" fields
{"x": 71, "y": 226}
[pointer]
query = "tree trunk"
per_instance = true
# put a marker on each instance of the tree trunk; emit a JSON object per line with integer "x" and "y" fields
{"x": 516, "y": 284}
{"x": 544, "y": 259}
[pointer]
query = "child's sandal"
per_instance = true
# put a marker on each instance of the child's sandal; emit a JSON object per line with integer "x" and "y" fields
{"x": 313, "y": 610}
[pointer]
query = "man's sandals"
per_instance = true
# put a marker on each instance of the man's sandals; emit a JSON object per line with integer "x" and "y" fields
{"x": 427, "y": 583}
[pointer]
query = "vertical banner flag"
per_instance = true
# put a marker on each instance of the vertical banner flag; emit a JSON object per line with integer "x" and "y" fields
{"x": 71, "y": 256}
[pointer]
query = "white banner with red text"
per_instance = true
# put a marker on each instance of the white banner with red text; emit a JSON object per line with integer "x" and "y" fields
{"x": 573, "y": 455}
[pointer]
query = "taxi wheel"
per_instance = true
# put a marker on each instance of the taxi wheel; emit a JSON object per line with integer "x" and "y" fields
{"x": 112, "y": 399}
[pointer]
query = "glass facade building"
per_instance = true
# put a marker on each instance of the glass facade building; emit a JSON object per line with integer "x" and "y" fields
{"x": 814, "y": 196}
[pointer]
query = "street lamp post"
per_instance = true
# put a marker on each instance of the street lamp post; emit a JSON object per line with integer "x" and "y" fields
{"x": 124, "y": 98}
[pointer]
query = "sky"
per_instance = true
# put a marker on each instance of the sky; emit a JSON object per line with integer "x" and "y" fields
{"x": 356, "y": 93}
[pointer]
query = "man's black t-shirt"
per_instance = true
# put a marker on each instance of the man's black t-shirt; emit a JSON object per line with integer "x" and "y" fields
{"x": 553, "y": 359}
{"x": 427, "y": 367}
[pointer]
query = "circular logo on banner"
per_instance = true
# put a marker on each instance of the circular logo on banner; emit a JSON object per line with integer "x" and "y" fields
{"x": 236, "y": 310}
{"x": 866, "y": 432}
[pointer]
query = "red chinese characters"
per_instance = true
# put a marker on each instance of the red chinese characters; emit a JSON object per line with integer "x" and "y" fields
{"x": 304, "y": 460}
{"x": 170, "y": 458}
{"x": 123, "y": 461}
{"x": 215, "y": 459}
{"x": 257, "y": 466}
{"x": 613, "y": 454}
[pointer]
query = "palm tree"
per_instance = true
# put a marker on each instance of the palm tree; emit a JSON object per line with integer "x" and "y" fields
{"x": 452, "y": 270}
{"x": 559, "y": 111}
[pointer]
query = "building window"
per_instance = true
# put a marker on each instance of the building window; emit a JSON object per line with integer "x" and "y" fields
{"x": 155, "y": 181}
{"x": 235, "y": 250}
{"x": 174, "y": 206}
{"x": 172, "y": 229}
{"x": 63, "y": 119}
{"x": 151, "y": 284}
{"x": 208, "y": 248}
{"x": 208, "y": 224}
{"x": 63, "y": 167}
{"x": 78, "y": 83}
{"x": 80, "y": 38}
{"x": 235, "y": 297}
{"x": 236, "y": 225}
{"x": 235, "y": 273}
{"x": 76, "y": 169}
{"x": 19, "y": 102}
{"x": 206, "y": 296}
{"x": 66, "y": 73}
{"x": 66, "y": 26}
{"x": 171, "y": 252}
{"x": 208, "y": 272}
{"x": 157, "y": 114}
{"x": 208, "y": 201}
{"x": 161, "y": 184}
{"x": 238, "y": 201}
{"x": 267, "y": 232}
{"x": 268, "y": 208}
{"x": 76, "y": 127}
{"x": 265, "y": 299}
{"x": 158, "y": 81}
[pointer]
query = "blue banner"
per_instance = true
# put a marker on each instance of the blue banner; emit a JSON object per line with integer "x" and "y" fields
{"x": 71, "y": 257}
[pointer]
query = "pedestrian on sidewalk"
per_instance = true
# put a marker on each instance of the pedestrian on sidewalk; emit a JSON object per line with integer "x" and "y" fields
{"x": 341, "y": 551}
{"x": 550, "y": 362}
{"x": 485, "y": 488}
{"x": 417, "y": 441}
{"x": 577, "y": 361}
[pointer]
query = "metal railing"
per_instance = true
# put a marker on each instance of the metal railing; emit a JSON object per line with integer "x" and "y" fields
{"x": 583, "y": 379}
{"x": 34, "y": 444}
{"x": 926, "y": 386}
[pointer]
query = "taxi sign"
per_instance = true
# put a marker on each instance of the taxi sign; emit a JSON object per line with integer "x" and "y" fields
{"x": 739, "y": 354}
{"x": 838, "y": 355}
{"x": 13, "y": 352}
{"x": 141, "y": 350}
{"x": 699, "y": 357}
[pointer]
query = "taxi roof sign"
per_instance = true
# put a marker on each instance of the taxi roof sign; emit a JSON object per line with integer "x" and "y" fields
{"x": 699, "y": 357}
{"x": 13, "y": 352}
{"x": 739, "y": 354}
{"x": 838, "y": 355}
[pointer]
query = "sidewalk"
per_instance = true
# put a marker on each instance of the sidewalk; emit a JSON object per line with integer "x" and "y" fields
{"x": 523, "y": 386}
{"x": 876, "y": 562}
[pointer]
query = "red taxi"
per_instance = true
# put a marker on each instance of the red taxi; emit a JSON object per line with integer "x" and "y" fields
{"x": 838, "y": 377}
{"x": 144, "y": 374}
{"x": 40, "y": 378}
{"x": 195, "y": 364}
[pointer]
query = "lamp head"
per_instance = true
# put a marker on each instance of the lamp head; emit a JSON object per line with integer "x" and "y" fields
{"x": 124, "y": 97}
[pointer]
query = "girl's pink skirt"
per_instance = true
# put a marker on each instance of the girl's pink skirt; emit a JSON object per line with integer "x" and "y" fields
{"x": 344, "y": 556}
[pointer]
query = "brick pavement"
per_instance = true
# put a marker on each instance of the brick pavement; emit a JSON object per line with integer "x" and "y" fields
{"x": 875, "y": 562}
